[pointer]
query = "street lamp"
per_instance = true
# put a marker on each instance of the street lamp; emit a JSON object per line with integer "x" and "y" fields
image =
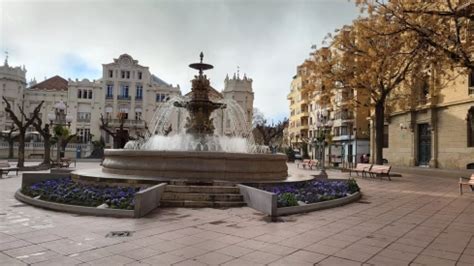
{"x": 323, "y": 125}
{"x": 59, "y": 118}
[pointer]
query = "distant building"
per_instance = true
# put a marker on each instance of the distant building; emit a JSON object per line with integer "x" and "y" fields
{"x": 299, "y": 113}
{"x": 13, "y": 84}
{"x": 349, "y": 132}
{"x": 126, "y": 89}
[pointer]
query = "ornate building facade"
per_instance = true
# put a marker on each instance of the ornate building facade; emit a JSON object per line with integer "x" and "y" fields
{"x": 126, "y": 89}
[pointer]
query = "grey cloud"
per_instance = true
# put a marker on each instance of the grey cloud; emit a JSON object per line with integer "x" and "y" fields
{"x": 267, "y": 39}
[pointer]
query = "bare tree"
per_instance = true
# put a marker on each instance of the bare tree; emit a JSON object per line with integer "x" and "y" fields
{"x": 120, "y": 136}
{"x": 44, "y": 132}
{"x": 270, "y": 133}
{"x": 22, "y": 125}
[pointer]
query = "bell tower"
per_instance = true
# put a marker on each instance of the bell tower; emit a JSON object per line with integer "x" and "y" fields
{"x": 240, "y": 89}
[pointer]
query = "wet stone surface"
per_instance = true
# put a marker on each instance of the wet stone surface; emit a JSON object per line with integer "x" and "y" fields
{"x": 413, "y": 219}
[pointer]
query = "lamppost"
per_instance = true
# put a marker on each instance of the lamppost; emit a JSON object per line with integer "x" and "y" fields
{"x": 323, "y": 125}
{"x": 59, "y": 118}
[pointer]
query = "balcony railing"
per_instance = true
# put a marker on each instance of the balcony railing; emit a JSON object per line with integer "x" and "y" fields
{"x": 109, "y": 96}
{"x": 123, "y": 97}
{"x": 87, "y": 120}
{"x": 138, "y": 98}
{"x": 127, "y": 122}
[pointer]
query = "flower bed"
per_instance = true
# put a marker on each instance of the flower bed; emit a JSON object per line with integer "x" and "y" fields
{"x": 294, "y": 194}
{"x": 65, "y": 190}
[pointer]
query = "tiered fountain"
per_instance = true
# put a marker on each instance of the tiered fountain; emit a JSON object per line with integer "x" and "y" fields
{"x": 201, "y": 155}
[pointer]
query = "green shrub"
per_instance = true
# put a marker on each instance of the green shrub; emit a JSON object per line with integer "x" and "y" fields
{"x": 287, "y": 199}
{"x": 352, "y": 186}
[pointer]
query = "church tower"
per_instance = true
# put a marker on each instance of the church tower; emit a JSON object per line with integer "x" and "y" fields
{"x": 240, "y": 89}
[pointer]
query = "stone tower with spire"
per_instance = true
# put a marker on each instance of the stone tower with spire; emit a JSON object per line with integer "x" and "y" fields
{"x": 240, "y": 89}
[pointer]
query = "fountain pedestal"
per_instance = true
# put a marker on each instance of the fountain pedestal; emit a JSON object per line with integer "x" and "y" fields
{"x": 193, "y": 165}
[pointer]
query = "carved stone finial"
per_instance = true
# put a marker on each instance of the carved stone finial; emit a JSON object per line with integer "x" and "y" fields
{"x": 6, "y": 59}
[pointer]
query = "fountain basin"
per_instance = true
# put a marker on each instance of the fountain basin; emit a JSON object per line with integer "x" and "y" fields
{"x": 194, "y": 165}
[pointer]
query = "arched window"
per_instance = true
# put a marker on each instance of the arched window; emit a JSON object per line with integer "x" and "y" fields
{"x": 423, "y": 90}
{"x": 470, "y": 127}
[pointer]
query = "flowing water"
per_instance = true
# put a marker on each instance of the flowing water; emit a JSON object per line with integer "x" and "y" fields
{"x": 167, "y": 132}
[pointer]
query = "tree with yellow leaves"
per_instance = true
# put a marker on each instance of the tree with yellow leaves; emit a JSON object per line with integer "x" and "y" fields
{"x": 360, "y": 57}
{"x": 446, "y": 27}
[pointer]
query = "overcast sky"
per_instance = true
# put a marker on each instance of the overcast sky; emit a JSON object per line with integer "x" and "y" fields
{"x": 267, "y": 39}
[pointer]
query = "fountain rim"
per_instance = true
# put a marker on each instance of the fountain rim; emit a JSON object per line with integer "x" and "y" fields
{"x": 200, "y": 154}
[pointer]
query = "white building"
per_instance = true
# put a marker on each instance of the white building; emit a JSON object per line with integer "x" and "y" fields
{"x": 126, "y": 89}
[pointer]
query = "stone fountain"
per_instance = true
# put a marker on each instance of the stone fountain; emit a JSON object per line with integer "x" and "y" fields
{"x": 205, "y": 160}
{"x": 199, "y": 123}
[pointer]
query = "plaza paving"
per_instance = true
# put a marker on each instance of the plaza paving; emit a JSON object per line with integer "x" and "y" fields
{"x": 414, "y": 219}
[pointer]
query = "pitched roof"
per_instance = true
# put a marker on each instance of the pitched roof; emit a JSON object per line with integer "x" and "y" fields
{"x": 55, "y": 83}
{"x": 158, "y": 80}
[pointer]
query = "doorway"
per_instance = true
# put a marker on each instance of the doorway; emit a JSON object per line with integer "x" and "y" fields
{"x": 424, "y": 144}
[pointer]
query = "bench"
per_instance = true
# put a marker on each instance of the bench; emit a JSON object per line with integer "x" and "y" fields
{"x": 380, "y": 170}
{"x": 66, "y": 162}
{"x": 360, "y": 168}
{"x": 36, "y": 155}
{"x": 464, "y": 181}
{"x": 5, "y": 168}
{"x": 303, "y": 163}
{"x": 63, "y": 163}
{"x": 309, "y": 163}
{"x": 5, "y": 171}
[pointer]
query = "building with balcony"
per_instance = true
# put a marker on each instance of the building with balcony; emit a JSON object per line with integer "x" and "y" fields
{"x": 132, "y": 92}
{"x": 299, "y": 120}
{"x": 348, "y": 134}
{"x": 126, "y": 91}
{"x": 350, "y": 131}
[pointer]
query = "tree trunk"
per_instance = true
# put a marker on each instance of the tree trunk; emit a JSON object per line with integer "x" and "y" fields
{"x": 379, "y": 125}
{"x": 47, "y": 150}
{"x": 329, "y": 154}
{"x": 11, "y": 144}
{"x": 21, "y": 148}
{"x": 59, "y": 145}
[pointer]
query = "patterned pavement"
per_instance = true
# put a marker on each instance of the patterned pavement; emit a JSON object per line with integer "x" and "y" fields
{"x": 413, "y": 220}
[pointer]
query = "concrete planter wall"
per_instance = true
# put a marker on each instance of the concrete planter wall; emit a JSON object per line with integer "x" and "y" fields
{"x": 319, "y": 205}
{"x": 145, "y": 200}
{"x": 259, "y": 200}
{"x": 266, "y": 202}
